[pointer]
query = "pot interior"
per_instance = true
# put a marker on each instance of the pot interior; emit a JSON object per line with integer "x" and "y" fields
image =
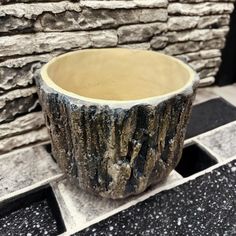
{"x": 117, "y": 74}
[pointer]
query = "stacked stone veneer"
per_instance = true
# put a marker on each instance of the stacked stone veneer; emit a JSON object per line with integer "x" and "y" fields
{"x": 31, "y": 32}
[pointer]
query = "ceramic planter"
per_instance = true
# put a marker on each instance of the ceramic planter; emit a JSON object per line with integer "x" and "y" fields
{"x": 117, "y": 117}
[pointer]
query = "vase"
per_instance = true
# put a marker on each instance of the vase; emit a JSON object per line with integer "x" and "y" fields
{"x": 117, "y": 117}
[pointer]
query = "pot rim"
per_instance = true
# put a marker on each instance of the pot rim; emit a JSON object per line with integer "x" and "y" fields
{"x": 184, "y": 90}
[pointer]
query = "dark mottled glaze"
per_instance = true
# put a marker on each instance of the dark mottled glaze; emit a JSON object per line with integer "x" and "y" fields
{"x": 115, "y": 152}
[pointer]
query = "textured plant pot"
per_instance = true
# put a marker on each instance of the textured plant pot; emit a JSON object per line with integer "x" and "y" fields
{"x": 117, "y": 117}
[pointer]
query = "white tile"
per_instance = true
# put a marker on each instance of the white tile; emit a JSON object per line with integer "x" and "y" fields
{"x": 221, "y": 141}
{"x": 226, "y": 92}
{"x": 24, "y": 168}
{"x": 203, "y": 95}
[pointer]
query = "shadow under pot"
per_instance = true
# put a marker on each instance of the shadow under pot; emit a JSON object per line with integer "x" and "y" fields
{"x": 117, "y": 117}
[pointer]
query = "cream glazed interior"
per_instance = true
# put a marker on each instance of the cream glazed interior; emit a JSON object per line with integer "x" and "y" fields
{"x": 117, "y": 75}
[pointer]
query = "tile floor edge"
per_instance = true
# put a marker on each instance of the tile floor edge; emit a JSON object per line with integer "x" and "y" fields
{"x": 150, "y": 194}
{"x": 189, "y": 141}
{"x": 30, "y": 188}
{"x": 65, "y": 212}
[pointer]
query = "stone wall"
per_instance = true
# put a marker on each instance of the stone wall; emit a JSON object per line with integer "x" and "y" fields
{"x": 33, "y": 31}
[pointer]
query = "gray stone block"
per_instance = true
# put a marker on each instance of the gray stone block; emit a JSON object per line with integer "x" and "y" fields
{"x": 159, "y": 42}
{"x": 22, "y": 124}
{"x": 21, "y": 140}
{"x": 182, "y": 22}
{"x": 47, "y": 42}
{"x": 17, "y": 102}
{"x": 139, "y": 33}
{"x": 199, "y": 65}
{"x": 191, "y": 46}
{"x": 197, "y": 35}
{"x": 98, "y": 18}
{"x": 123, "y": 4}
{"x": 215, "y": 21}
{"x": 200, "y": 9}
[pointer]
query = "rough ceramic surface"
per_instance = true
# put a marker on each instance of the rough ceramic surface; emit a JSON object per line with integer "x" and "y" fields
{"x": 116, "y": 149}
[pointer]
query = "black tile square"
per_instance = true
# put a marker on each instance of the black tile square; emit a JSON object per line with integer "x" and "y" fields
{"x": 210, "y": 115}
{"x": 35, "y": 213}
{"x": 193, "y": 160}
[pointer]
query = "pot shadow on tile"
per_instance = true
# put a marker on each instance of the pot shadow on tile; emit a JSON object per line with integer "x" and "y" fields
{"x": 193, "y": 160}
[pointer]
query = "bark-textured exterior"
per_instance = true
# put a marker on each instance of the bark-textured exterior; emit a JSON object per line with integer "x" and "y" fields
{"x": 115, "y": 152}
{"x": 33, "y": 31}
